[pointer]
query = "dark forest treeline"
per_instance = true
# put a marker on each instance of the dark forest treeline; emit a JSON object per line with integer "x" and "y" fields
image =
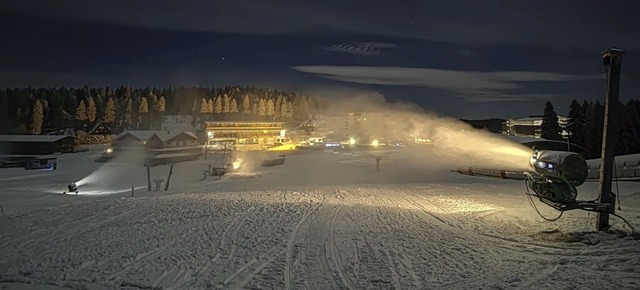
{"x": 39, "y": 110}
{"x": 587, "y": 122}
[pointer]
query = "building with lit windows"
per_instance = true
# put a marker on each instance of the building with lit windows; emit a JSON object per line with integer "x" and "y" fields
{"x": 243, "y": 135}
{"x": 530, "y": 126}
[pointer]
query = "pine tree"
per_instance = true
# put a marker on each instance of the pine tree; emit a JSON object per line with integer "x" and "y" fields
{"x": 262, "y": 107}
{"x": 234, "y": 105}
{"x": 143, "y": 110}
{"x": 246, "y": 105}
{"x": 153, "y": 100}
{"x": 161, "y": 105}
{"x": 81, "y": 111}
{"x": 628, "y": 137}
{"x": 283, "y": 109}
{"x": 109, "y": 111}
{"x": 302, "y": 108}
{"x": 550, "y": 129}
{"x": 255, "y": 109}
{"x": 289, "y": 114}
{"x": 576, "y": 123}
{"x": 277, "y": 111}
{"x": 226, "y": 104}
{"x": 144, "y": 105}
{"x": 217, "y": 108}
{"x": 598, "y": 126}
{"x": 36, "y": 118}
{"x": 210, "y": 106}
{"x": 195, "y": 106}
{"x": 128, "y": 111}
{"x": 271, "y": 108}
{"x": 91, "y": 110}
{"x": 592, "y": 130}
{"x": 204, "y": 106}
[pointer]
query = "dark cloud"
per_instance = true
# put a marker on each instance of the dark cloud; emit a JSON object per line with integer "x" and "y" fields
{"x": 474, "y": 86}
{"x": 571, "y": 23}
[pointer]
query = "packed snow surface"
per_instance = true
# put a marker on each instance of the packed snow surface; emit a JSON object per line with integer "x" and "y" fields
{"x": 323, "y": 220}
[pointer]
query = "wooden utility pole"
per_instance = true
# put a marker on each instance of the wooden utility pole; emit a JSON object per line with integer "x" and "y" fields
{"x": 612, "y": 59}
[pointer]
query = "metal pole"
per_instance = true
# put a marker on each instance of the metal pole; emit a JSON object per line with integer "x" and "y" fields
{"x": 148, "y": 178}
{"x": 166, "y": 185}
{"x": 611, "y": 58}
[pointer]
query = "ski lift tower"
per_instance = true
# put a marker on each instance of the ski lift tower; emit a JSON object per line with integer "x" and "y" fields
{"x": 612, "y": 59}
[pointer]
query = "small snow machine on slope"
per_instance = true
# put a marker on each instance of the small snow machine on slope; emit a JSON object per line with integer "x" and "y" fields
{"x": 72, "y": 188}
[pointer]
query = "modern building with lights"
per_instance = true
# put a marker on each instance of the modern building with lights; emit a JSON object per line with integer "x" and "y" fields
{"x": 243, "y": 135}
{"x": 530, "y": 126}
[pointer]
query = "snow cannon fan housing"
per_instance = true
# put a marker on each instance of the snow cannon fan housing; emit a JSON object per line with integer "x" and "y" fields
{"x": 569, "y": 166}
{"x": 561, "y": 171}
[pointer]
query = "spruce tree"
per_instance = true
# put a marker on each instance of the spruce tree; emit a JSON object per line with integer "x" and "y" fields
{"x": 143, "y": 109}
{"x": 550, "y": 129}
{"x": 128, "y": 113}
{"x": 109, "y": 111}
{"x": 91, "y": 110}
{"x": 161, "y": 105}
{"x": 628, "y": 133}
{"x": 204, "y": 106}
{"x": 262, "y": 107}
{"x": 81, "y": 111}
{"x": 246, "y": 105}
{"x": 576, "y": 123}
{"x": 271, "y": 108}
{"x": 36, "y": 118}
{"x": 226, "y": 104}
{"x": 217, "y": 108}
{"x": 234, "y": 106}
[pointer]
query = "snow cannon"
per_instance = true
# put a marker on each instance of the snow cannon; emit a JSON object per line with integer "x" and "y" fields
{"x": 72, "y": 188}
{"x": 557, "y": 173}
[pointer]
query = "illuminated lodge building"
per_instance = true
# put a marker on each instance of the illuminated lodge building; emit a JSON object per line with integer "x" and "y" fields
{"x": 530, "y": 126}
{"x": 242, "y": 135}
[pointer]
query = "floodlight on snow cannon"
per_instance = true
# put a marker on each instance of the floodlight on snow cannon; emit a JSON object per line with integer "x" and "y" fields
{"x": 554, "y": 177}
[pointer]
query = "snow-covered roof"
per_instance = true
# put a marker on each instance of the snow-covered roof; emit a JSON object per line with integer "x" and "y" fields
{"x": 31, "y": 138}
{"x": 140, "y": 134}
{"x": 168, "y": 135}
{"x": 162, "y": 135}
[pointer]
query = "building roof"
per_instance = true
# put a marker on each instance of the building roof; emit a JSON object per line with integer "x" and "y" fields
{"x": 243, "y": 122}
{"x": 140, "y": 134}
{"x": 168, "y": 135}
{"x": 97, "y": 125}
{"x": 144, "y": 135}
{"x": 32, "y": 138}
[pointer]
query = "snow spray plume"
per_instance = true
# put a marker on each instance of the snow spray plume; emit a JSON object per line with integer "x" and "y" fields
{"x": 453, "y": 143}
{"x": 128, "y": 170}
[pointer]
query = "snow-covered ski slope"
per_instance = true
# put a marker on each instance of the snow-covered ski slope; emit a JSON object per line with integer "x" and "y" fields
{"x": 320, "y": 221}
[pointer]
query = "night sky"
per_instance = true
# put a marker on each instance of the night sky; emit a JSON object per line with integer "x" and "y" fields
{"x": 466, "y": 59}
